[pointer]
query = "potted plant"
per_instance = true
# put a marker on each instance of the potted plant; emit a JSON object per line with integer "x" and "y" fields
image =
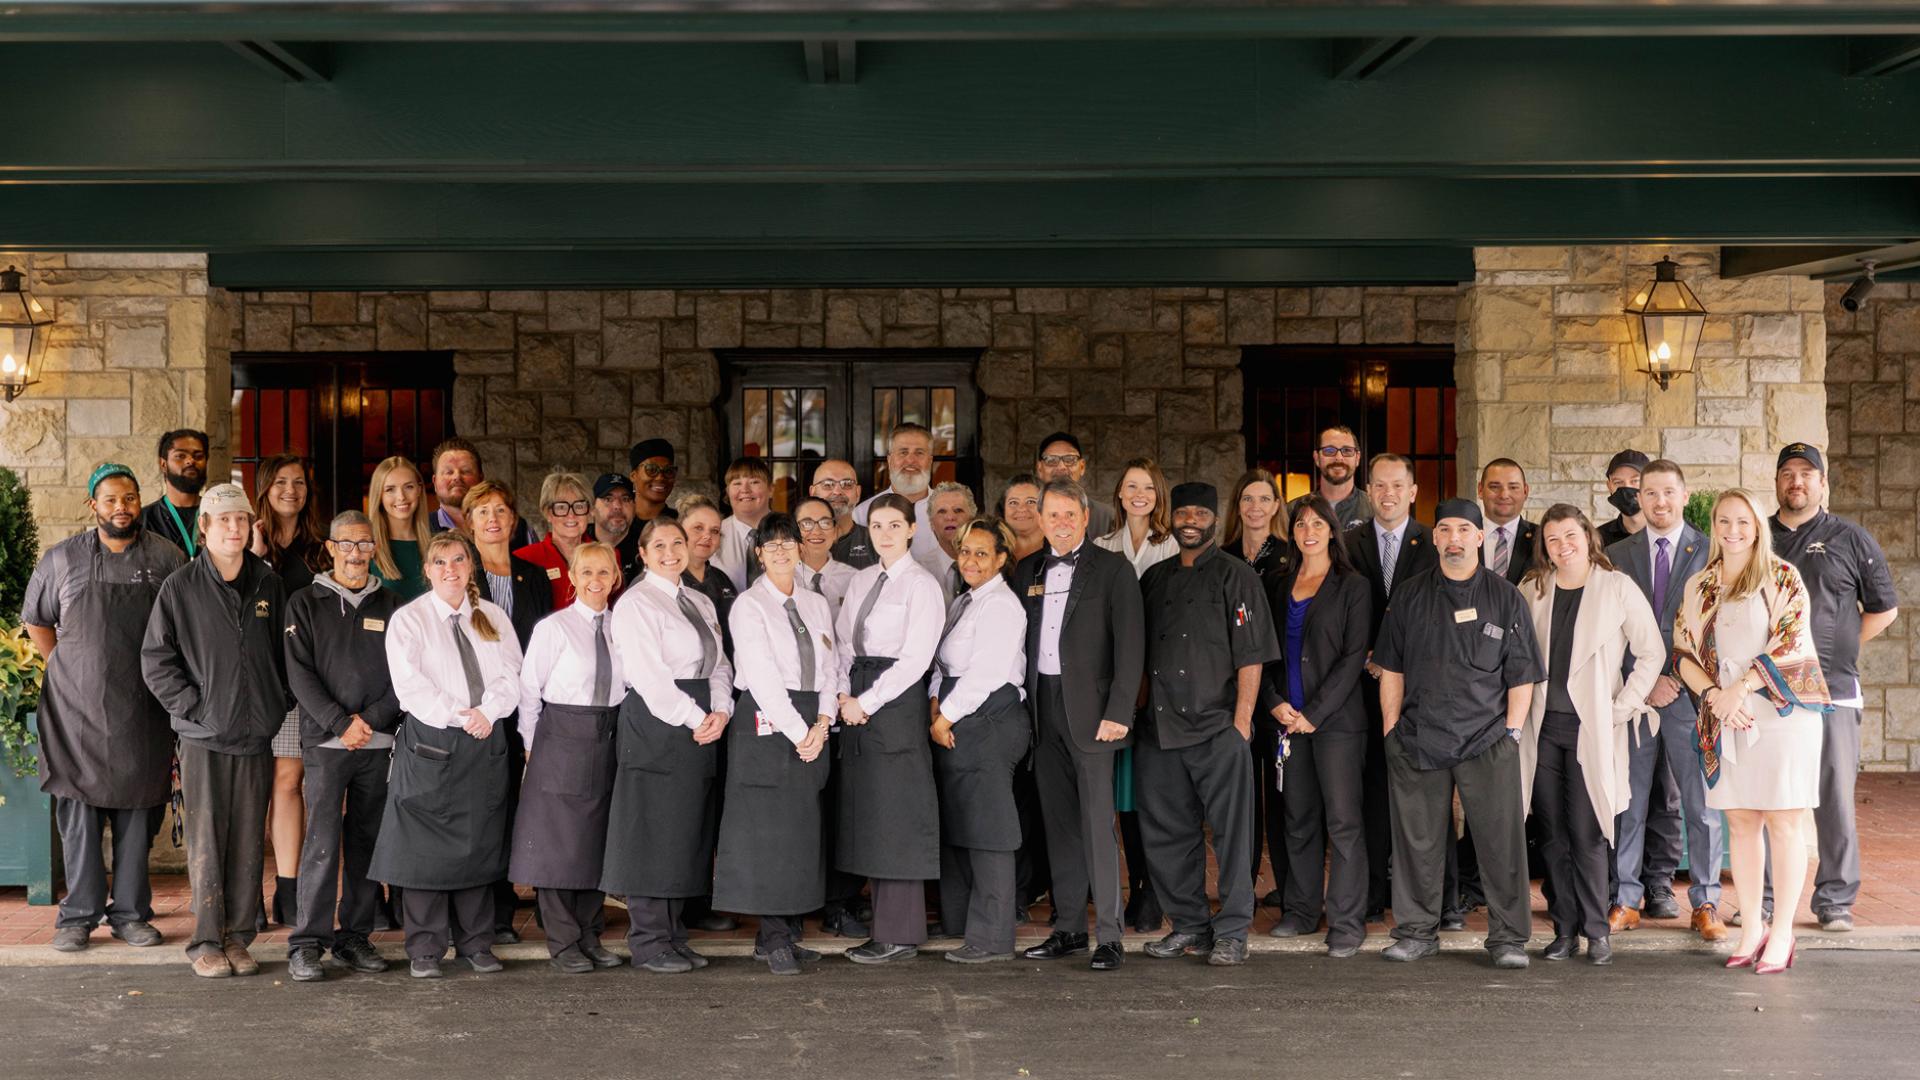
{"x": 26, "y": 812}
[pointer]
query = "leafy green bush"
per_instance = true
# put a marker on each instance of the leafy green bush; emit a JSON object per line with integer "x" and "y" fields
{"x": 1699, "y": 511}
{"x": 21, "y": 666}
{"x": 19, "y": 545}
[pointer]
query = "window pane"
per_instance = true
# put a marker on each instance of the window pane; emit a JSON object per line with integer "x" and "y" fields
{"x": 753, "y": 423}
{"x": 298, "y": 422}
{"x": 1427, "y": 420}
{"x": 813, "y": 423}
{"x": 404, "y": 428}
{"x": 913, "y": 405}
{"x": 433, "y": 415}
{"x": 886, "y": 415}
{"x": 373, "y": 426}
{"x": 1399, "y": 439}
{"x": 786, "y": 423}
{"x": 944, "y": 471}
{"x": 785, "y": 485}
{"x": 943, "y": 420}
{"x": 1451, "y": 442}
{"x": 1427, "y": 475}
{"x": 273, "y": 422}
{"x": 244, "y": 474}
{"x": 244, "y": 404}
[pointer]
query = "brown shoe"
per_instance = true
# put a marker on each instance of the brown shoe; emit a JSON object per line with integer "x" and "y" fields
{"x": 242, "y": 960}
{"x": 1622, "y": 918}
{"x": 212, "y": 965}
{"x": 1706, "y": 921}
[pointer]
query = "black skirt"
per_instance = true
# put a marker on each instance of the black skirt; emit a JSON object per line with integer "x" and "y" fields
{"x": 446, "y": 819}
{"x": 661, "y": 831}
{"x": 976, "y": 777}
{"x": 560, "y": 831}
{"x": 889, "y": 823}
{"x": 769, "y": 861}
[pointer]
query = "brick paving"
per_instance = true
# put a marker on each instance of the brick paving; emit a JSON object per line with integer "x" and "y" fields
{"x": 1889, "y": 821}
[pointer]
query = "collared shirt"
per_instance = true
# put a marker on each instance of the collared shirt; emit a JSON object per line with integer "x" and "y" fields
{"x": 656, "y": 645}
{"x": 986, "y": 649}
{"x": 1399, "y": 535}
{"x": 831, "y": 581}
{"x": 1846, "y": 573}
{"x": 856, "y": 548}
{"x": 558, "y": 665}
{"x": 905, "y": 624}
{"x": 427, "y": 675}
{"x": 1058, "y": 581}
{"x": 65, "y": 571}
{"x": 767, "y": 659}
{"x": 1461, "y": 645}
{"x": 1356, "y": 509}
{"x": 734, "y": 556}
{"x": 1491, "y": 540}
{"x": 1146, "y": 555}
{"x": 1671, "y": 536}
{"x": 923, "y": 537}
{"x": 1204, "y": 623}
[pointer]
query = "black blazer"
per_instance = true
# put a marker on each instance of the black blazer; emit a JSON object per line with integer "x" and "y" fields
{"x": 1417, "y": 556}
{"x": 1333, "y": 653}
{"x": 1522, "y": 558}
{"x": 532, "y": 598}
{"x": 1103, "y": 643}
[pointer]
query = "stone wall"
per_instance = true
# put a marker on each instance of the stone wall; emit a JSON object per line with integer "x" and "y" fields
{"x": 574, "y": 378}
{"x": 1873, "y": 415}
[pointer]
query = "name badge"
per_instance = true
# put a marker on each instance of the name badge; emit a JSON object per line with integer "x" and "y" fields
{"x": 375, "y": 625}
{"x": 553, "y": 573}
{"x": 1036, "y": 590}
{"x": 1465, "y": 615}
{"x": 762, "y": 725}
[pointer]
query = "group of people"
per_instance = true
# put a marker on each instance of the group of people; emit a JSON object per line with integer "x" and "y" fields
{"x": 851, "y": 707}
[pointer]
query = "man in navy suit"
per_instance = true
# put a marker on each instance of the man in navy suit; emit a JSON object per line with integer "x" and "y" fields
{"x": 1661, "y": 557}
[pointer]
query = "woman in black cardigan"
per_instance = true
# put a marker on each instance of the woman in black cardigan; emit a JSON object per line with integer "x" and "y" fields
{"x": 1320, "y": 608}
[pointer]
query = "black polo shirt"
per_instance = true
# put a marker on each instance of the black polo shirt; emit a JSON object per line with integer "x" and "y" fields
{"x": 1204, "y": 623}
{"x": 1846, "y": 573}
{"x": 856, "y": 548}
{"x": 1461, "y": 645}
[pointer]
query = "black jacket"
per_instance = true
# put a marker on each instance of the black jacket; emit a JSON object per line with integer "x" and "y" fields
{"x": 212, "y": 655}
{"x": 532, "y": 597}
{"x": 1102, "y": 642}
{"x": 1333, "y": 653}
{"x": 337, "y": 661}
{"x": 1417, "y": 556}
{"x": 1522, "y": 558}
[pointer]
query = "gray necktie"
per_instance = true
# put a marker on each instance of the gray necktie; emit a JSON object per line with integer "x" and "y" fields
{"x": 469, "y": 663}
{"x": 1502, "y": 551}
{"x": 866, "y": 608}
{"x": 953, "y": 619}
{"x": 602, "y": 663}
{"x": 709, "y": 651}
{"x": 1389, "y": 555}
{"x": 955, "y": 583}
{"x": 802, "y": 644}
{"x": 819, "y": 582}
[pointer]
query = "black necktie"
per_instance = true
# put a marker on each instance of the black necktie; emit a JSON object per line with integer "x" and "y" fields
{"x": 1053, "y": 560}
{"x": 866, "y": 608}
{"x": 602, "y": 662}
{"x": 953, "y": 619}
{"x": 802, "y": 644}
{"x": 709, "y": 651}
{"x": 956, "y": 585}
{"x": 469, "y": 663}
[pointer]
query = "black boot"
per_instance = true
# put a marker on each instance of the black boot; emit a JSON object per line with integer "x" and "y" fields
{"x": 286, "y": 894}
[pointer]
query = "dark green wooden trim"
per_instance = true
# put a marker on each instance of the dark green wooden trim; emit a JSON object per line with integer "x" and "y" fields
{"x": 1874, "y": 57}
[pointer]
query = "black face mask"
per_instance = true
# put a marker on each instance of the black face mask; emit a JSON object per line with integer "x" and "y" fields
{"x": 1626, "y": 500}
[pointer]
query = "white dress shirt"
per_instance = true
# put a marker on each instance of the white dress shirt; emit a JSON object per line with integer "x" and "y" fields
{"x": 425, "y": 664}
{"x": 923, "y": 537}
{"x": 767, "y": 663}
{"x": 1672, "y": 537}
{"x": 1053, "y": 610}
{"x": 905, "y": 624}
{"x": 558, "y": 665}
{"x": 830, "y": 581}
{"x": 937, "y": 562}
{"x": 1491, "y": 538}
{"x": 656, "y": 645}
{"x": 735, "y": 553}
{"x": 1149, "y": 552}
{"x": 986, "y": 650}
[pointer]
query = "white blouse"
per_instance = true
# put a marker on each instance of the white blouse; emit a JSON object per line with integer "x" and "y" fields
{"x": 905, "y": 624}
{"x": 425, "y": 664}
{"x": 1149, "y": 552}
{"x": 558, "y": 665}
{"x": 767, "y": 661}
{"x": 986, "y": 650}
{"x": 656, "y": 645}
{"x": 830, "y": 581}
{"x": 735, "y": 552}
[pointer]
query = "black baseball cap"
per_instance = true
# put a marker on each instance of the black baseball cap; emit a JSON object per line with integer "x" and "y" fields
{"x": 1805, "y": 452}
{"x": 609, "y": 481}
{"x": 1058, "y": 436}
{"x": 1631, "y": 459}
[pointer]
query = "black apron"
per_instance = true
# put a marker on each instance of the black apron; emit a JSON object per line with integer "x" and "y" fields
{"x": 660, "y": 836}
{"x": 769, "y": 861}
{"x": 889, "y": 824}
{"x": 104, "y": 740}
{"x": 446, "y": 822}
{"x": 560, "y": 829}
{"x": 977, "y": 810}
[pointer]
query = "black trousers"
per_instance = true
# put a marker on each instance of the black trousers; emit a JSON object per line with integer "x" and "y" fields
{"x": 778, "y": 932}
{"x": 571, "y": 917}
{"x": 1076, "y": 803}
{"x": 1423, "y": 829}
{"x": 900, "y": 911}
{"x": 86, "y": 859}
{"x": 429, "y": 916}
{"x": 1269, "y": 807}
{"x": 976, "y": 897}
{"x": 1032, "y": 873}
{"x": 654, "y": 925}
{"x": 1577, "y": 853}
{"x": 843, "y": 889}
{"x": 1376, "y": 808}
{"x": 1324, "y": 808}
{"x": 346, "y": 796}
{"x": 1181, "y": 793}
{"x": 226, "y": 831}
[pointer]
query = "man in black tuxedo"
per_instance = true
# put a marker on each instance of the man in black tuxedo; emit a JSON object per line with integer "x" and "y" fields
{"x": 1084, "y": 616}
{"x": 1390, "y": 549}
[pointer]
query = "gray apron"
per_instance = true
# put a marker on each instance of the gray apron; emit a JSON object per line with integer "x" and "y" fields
{"x": 104, "y": 740}
{"x": 560, "y": 829}
{"x": 446, "y": 822}
{"x": 661, "y": 830}
{"x": 977, "y": 810}
{"x": 889, "y": 818}
{"x": 769, "y": 861}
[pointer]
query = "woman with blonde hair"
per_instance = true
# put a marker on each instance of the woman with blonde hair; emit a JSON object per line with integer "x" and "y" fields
{"x": 567, "y": 504}
{"x": 1744, "y": 646}
{"x": 397, "y": 506}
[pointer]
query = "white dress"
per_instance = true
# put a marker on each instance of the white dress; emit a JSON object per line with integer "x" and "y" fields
{"x": 1775, "y": 764}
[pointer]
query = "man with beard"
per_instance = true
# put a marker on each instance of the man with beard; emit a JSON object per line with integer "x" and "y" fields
{"x": 456, "y": 467}
{"x": 105, "y": 747}
{"x": 1457, "y": 662}
{"x": 1061, "y": 459}
{"x": 836, "y": 482}
{"x": 1209, "y": 634}
{"x": 952, "y": 507}
{"x": 910, "y": 476}
{"x": 1334, "y": 463}
{"x": 183, "y": 467}
{"x": 613, "y": 504}
{"x": 650, "y": 466}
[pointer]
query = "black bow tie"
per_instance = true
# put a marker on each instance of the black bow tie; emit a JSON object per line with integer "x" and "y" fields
{"x": 1053, "y": 560}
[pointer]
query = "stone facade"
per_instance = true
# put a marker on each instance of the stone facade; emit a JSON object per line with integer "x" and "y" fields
{"x": 1873, "y": 414}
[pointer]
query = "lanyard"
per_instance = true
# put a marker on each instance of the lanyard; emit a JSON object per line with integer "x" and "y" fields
{"x": 186, "y": 534}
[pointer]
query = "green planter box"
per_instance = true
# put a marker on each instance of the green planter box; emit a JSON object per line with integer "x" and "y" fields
{"x": 26, "y": 832}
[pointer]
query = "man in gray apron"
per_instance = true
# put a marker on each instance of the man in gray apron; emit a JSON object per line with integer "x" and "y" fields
{"x": 105, "y": 746}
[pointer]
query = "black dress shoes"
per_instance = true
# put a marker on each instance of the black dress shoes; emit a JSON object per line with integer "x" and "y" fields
{"x": 1228, "y": 952}
{"x": 1661, "y": 904}
{"x": 1562, "y": 948}
{"x": 1107, "y": 957}
{"x": 880, "y": 952}
{"x": 1599, "y": 951}
{"x": 600, "y": 956}
{"x": 843, "y": 924}
{"x": 506, "y": 936}
{"x": 1179, "y": 943}
{"x": 1057, "y": 945}
{"x": 571, "y": 962}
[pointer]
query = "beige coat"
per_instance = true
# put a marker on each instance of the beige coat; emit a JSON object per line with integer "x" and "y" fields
{"x": 1614, "y": 618}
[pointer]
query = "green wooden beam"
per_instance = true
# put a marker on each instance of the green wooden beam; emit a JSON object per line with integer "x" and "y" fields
{"x": 1874, "y": 57}
{"x": 1370, "y": 58}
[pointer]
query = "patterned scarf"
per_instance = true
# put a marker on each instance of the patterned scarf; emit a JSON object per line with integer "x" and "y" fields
{"x": 1789, "y": 669}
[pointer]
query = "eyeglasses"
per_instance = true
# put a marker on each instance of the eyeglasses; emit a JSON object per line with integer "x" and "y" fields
{"x": 574, "y": 508}
{"x": 364, "y": 547}
{"x": 816, "y": 524}
{"x": 1068, "y": 460}
{"x": 671, "y": 472}
{"x": 837, "y": 485}
{"x": 782, "y": 546}
{"x": 1339, "y": 451}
